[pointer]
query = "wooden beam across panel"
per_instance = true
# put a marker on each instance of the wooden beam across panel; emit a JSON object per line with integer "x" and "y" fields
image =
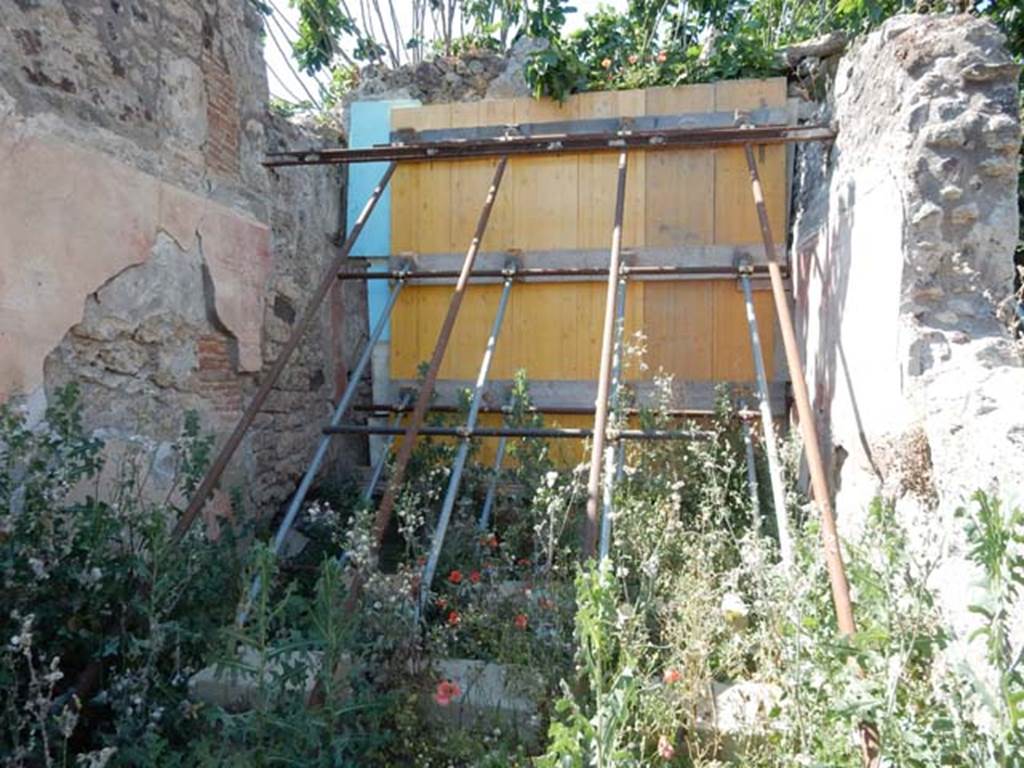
{"x": 765, "y": 116}
{"x": 691, "y": 395}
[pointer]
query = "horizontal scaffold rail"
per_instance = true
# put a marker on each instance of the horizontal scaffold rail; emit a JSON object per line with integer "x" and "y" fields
{"x": 696, "y": 395}
{"x": 668, "y": 138}
{"x": 545, "y": 433}
{"x": 379, "y": 409}
{"x": 764, "y": 116}
{"x": 542, "y": 273}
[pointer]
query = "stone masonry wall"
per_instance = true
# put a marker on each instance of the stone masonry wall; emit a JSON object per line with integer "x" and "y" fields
{"x": 146, "y": 253}
{"x": 903, "y": 248}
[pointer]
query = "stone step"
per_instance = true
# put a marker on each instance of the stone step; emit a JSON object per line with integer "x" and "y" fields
{"x": 238, "y": 686}
{"x": 737, "y": 718}
{"x": 486, "y": 696}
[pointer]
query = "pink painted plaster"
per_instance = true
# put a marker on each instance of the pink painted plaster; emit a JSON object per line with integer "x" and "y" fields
{"x": 71, "y": 219}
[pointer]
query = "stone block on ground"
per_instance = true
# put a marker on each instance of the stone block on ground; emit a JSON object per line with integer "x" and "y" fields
{"x": 490, "y": 695}
{"x": 737, "y": 717}
{"x": 237, "y": 687}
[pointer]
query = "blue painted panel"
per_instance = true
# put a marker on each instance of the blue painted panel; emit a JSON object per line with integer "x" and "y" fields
{"x": 369, "y": 124}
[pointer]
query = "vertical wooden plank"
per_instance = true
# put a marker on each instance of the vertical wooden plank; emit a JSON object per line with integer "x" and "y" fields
{"x": 467, "y": 179}
{"x": 404, "y": 350}
{"x": 470, "y": 180}
{"x": 735, "y": 216}
{"x": 731, "y": 356}
{"x": 433, "y": 303}
{"x": 679, "y": 200}
{"x": 404, "y": 190}
{"x": 597, "y": 174}
{"x": 546, "y": 204}
{"x": 589, "y": 306}
{"x": 433, "y": 193}
{"x": 500, "y": 234}
{"x": 677, "y": 316}
{"x": 545, "y": 335}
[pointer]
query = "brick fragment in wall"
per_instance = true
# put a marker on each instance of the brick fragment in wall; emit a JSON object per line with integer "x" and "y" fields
{"x": 178, "y": 97}
{"x": 222, "y": 140}
{"x": 218, "y": 382}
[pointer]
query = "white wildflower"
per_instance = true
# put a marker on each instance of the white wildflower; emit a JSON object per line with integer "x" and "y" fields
{"x": 734, "y": 610}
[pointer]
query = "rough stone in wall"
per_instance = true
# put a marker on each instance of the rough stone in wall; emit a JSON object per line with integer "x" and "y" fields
{"x": 147, "y": 254}
{"x": 443, "y": 78}
{"x": 471, "y": 76}
{"x": 903, "y": 247}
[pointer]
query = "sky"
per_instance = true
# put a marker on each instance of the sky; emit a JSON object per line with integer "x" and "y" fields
{"x": 283, "y": 76}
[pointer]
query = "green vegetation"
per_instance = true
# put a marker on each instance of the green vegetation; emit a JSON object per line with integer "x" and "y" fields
{"x": 623, "y": 656}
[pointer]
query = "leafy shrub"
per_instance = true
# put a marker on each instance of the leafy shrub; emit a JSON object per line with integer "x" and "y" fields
{"x": 103, "y": 617}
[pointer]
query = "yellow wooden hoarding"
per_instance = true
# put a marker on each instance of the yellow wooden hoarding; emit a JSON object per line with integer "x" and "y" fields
{"x": 694, "y": 330}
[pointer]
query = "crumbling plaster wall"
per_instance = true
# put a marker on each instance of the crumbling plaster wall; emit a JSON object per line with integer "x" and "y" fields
{"x": 903, "y": 248}
{"x": 145, "y": 252}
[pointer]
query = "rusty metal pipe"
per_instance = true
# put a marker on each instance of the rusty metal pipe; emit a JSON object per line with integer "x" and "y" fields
{"x": 383, "y": 517}
{"x": 213, "y": 474}
{"x": 555, "y": 144}
{"x": 830, "y": 538}
{"x": 604, "y": 374}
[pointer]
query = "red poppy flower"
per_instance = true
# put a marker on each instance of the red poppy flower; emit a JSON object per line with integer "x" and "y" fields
{"x": 672, "y": 676}
{"x": 455, "y": 577}
{"x": 474, "y": 577}
{"x": 665, "y": 749}
{"x": 446, "y": 691}
{"x": 521, "y": 620}
{"x": 454, "y": 618}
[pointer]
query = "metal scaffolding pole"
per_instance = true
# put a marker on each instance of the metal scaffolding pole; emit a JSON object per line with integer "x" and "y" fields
{"x": 560, "y": 410}
{"x": 492, "y": 485}
{"x": 527, "y": 274}
{"x": 557, "y": 144}
{"x": 325, "y": 441}
{"x": 590, "y": 525}
{"x": 382, "y": 460}
{"x": 768, "y": 426}
{"x": 755, "y": 500}
{"x": 613, "y": 454}
{"x": 830, "y": 538}
{"x": 544, "y": 433}
{"x": 459, "y": 464}
{"x": 383, "y": 517}
{"x": 216, "y": 469}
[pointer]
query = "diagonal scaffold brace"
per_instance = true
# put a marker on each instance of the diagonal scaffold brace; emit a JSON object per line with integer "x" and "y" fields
{"x": 213, "y": 474}
{"x": 838, "y": 582}
{"x": 455, "y": 480}
{"x": 383, "y": 516}
{"x": 604, "y": 376}
{"x": 767, "y": 423}
{"x": 325, "y": 442}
